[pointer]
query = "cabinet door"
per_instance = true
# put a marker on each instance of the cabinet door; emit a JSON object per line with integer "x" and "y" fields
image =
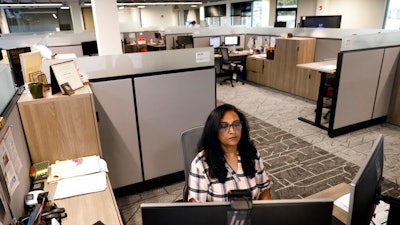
{"x": 118, "y": 133}
{"x": 286, "y": 60}
{"x": 254, "y": 68}
{"x": 307, "y": 83}
{"x": 60, "y": 127}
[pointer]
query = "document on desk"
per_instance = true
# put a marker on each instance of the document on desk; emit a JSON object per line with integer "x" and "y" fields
{"x": 80, "y": 185}
{"x": 76, "y": 167}
{"x": 343, "y": 202}
{"x": 329, "y": 67}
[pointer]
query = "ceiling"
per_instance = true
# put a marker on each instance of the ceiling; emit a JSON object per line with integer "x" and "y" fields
{"x": 88, "y": 1}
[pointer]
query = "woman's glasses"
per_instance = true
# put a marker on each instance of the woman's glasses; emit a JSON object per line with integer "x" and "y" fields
{"x": 237, "y": 125}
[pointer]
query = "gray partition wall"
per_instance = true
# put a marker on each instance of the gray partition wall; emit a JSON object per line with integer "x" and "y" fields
{"x": 167, "y": 105}
{"x": 12, "y": 201}
{"x": 365, "y": 82}
{"x": 144, "y": 101}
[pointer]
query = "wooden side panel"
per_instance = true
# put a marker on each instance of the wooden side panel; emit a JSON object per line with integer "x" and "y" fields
{"x": 60, "y": 128}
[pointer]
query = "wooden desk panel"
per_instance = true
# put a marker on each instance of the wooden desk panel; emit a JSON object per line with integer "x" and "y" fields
{"x": 89, "y": 208}
{"x": 334, "y": 193}
{"x": 60, "y": 127}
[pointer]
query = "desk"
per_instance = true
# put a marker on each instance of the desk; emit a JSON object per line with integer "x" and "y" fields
{"x": 88, "y": 208}
{"x": 156, "y": 47}
{"x": 334, "y": 193}
{"x": 325, "y": 67}
{"x": 234, "y": 54}
{"x": 241, "y": 54}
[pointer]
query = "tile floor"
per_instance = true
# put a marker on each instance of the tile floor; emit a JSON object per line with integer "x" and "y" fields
{"x": 282, "y": 110}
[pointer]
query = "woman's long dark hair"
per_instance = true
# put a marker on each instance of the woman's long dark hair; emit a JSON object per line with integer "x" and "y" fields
{"x": 210, "y": 143}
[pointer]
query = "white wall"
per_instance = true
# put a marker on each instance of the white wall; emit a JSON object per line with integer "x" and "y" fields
{"x": 158, "y": 16}
{"x": 305, "y": 8}
{"x": 129, "y": 19}
{"x": 360, "y": 14}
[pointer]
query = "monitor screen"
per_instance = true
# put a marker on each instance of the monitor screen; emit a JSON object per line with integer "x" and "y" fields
{"x": 321, "y": 21}
{"x": 365, "y": 187}
{"x": 185, "y": 40}
{"x": 232, "y": 40}
{"x": 303, "y": 212}
{"x": 280, "y": 24}
{"x": 89, "y": 48}
{"x": 215, "y": 10}
{"x": 215, "y": 41}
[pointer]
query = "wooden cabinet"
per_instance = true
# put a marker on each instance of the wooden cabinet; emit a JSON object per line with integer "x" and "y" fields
{"x": 281, "y": 73}
{"x": 255, "y": 69}
{"x": 60, "y": 127}
{"x": 307, "y": 83}
{"x": 288, "y": 53}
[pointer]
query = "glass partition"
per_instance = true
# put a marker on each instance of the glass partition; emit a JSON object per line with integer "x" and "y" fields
{"x": 7, "y": 89}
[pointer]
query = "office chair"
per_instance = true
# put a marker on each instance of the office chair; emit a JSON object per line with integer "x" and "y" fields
{"x": 229, "y": 67}
{"x": 189, "y": 142}
{"x": 329, "y": 92}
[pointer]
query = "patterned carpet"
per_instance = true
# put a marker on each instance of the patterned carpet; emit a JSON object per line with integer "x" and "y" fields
{"x": 298, "y": 168}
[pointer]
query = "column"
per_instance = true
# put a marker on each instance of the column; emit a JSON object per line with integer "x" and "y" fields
{"x": 108, "y": 35}
{"x": 76, "y": 16}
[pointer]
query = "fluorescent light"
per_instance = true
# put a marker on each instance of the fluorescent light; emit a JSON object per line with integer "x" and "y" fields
{"x": 153, "y": 3}
{"x": 31, "y": 5}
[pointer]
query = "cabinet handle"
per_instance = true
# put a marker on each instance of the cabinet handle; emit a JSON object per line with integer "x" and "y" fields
{"x": 309, "y": 76}
{"x": 97, "y": 116}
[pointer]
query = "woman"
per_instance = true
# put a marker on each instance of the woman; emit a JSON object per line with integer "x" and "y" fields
{"x": 227, "y": 159}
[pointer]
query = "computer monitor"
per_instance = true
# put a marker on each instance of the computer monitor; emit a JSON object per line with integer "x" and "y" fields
{"x": 232, "y": 40}
{"x": 157, "y": 35}
{"x": 279, "y": 212}
{"x": 185, "y": 41}
{"x": 89, "y": 48}
{"x": 365, "y": 189}
{"x": 215, "y": 41}
{"x": 280, "y": 24}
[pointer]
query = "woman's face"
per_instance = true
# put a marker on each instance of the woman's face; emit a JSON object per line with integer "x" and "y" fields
{"x": 230, "y": 130}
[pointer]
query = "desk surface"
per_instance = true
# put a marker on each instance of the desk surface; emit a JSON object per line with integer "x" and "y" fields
{"x": 234, "y": 54}
{"x": 324, "y": 66}
{"x": 88, "y": 208}
{"x": 334, "y": 193}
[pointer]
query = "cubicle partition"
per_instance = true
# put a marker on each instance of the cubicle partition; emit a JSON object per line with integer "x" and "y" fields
{"x": 365, "y": 80}
{"x": 144, "y": 101}
{"x": 14, "y": 172}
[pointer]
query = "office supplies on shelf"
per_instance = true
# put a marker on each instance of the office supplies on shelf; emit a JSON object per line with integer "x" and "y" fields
{"x": 39, "y": 170}
{"x": 74, "y": 186}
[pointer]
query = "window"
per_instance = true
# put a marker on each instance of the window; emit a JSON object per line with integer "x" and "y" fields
{"x": 38, "y": 19}
{"x": 241, "y": 13}
{"x": 286, "y": 11}
{"x": 392, "y": 17}
{"x": 213, "y": 14}
{"x": 257, "y": 14}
